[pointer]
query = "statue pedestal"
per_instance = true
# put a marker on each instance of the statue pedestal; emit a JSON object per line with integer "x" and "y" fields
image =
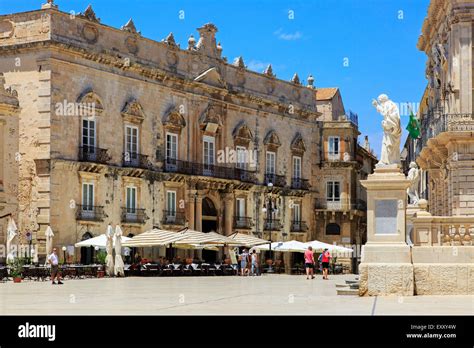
{"x": 386, "y": 266}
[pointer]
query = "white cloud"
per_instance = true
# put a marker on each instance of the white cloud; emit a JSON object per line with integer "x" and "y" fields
{"x": 288, "y": 36}
{"x": 256, "y": 65}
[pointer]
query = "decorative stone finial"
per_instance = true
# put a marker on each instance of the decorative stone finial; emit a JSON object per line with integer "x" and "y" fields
{"x": 310, "y": 81}
{"x": 49, "y": 4}
{"x": 170, "y": 40}
{"x": 219, "y": 49}
{"x": 191, "y": 43}
{"x": 7, "y": 96}
{"x": 269, "y": 71}
{"x": 239, "y": 62}
{"x": 295, "y": 79}
{"x": 90, "y": 14}
{"x": 207, "y": 40}
{"x": 130, "y": 27}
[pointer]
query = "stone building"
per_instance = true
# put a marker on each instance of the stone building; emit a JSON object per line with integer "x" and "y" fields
{"x": 118, "y": 129}
{"x": 445, "y": 151}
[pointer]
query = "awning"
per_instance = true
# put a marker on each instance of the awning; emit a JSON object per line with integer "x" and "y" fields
{"x": 248, "y": 240}
{"x": 200, "y": 238}
{"x": 152, "y": 238}
{"x": 320, "y": 246}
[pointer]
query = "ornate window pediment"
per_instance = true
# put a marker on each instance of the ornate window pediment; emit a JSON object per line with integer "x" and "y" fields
{"x": 272, "y": 139}
{"x": 91, "y": 100}
{"x": 298, "y": 145}
{"x": 211, "y": 119}
{"x": 174, "y": 120}
{"x": 242, "y": 134}
{"x": 133, "y": 112}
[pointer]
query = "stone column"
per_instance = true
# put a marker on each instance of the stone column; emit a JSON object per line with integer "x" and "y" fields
{"x": 191, "y": 207}
{"x": 228, "y": 213}
{"x": 198, "y": 223}
{"x": 386, "y": 266}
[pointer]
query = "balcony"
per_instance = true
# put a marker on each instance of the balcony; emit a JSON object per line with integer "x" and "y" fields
{"x": 175, "y": 218}
{"x": 133, "y": 216}
{"x": 298, "y": 226}
{"x": 243, "y": 222}
{"x": 338, "y": 157}
{"x": 322, "y": 204}
{"x": 172, "y": 165}
{"x": 135, "y": 160}
{"x": 276, "y": 180}
{"x": 93, "y": 154}
{"x": 436, "y": 122}
{"x": 90, "y": 213}
{"x": 272, "y": 225}
{"x": 300, "y": 184}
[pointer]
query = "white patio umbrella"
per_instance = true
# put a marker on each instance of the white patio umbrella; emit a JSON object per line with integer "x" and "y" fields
{"x": 248, "y": 240}
{"x": 11, "y": 234}
{"x": 289, "y": 246}
{"x": 49, "y": 240}
{"x": 119, "y": 272}
{"x": 320, "y": 246}
{"x": 99, "y": 241}
{"x": 109, "y": 260}
{"x": 153, "y": 238}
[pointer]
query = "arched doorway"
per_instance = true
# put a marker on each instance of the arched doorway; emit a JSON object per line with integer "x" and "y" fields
{"x": 87, "y": 253}
{"x": 209, "y": 223}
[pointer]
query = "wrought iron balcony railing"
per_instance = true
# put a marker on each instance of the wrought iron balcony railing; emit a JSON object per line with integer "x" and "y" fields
{"x": 134, "y": 215}
{"x": 172, "y": 217}
{"x": 90, "y": 213}
{"x": 298, "y": 226}
{"x": 300, "y": 184}
{"x": 172, "y": 165}
{"x": 435, "y": 122}
{"x": 276, "y": 180}
{"x": 93, "y": 154}
{"x": 338, "y": 205}
{"x": 243, "y": 222}
{"x": 272, "y": 225}
{"x": 135, "y": 160}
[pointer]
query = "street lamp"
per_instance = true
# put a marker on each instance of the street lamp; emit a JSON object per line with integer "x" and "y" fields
{"x": 64, "y": 253}
{"x": 96, "y": 250}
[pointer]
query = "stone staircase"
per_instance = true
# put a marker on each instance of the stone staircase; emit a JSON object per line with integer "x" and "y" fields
{"x": 351, "y": 288}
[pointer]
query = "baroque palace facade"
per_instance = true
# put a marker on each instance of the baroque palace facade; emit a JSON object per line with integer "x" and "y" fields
{"x": 445, "y": 150}
{"x": 109, "y": 127}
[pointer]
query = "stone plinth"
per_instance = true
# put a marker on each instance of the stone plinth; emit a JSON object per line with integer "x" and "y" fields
{"x": 386, "y": 266}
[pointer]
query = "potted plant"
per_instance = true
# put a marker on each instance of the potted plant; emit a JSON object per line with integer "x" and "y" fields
{"x": 16, "y": 269}
{"x": 101, "y": 256}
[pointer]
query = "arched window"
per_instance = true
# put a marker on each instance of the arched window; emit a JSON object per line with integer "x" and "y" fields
{"x": 333, "y": 229}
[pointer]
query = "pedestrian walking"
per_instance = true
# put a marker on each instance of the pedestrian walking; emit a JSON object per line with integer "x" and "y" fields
{"x": 53, "y": 260}
{"x": 244, "y": 262}
{"x": 325, "y": 260}
{"x": 254, "y": 259}
{"x": 309, "y": 262}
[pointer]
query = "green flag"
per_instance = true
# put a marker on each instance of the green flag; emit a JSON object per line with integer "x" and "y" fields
{"x": 413, "y": 127}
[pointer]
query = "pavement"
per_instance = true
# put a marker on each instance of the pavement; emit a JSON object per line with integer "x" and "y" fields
{"x": 265, "y": 295}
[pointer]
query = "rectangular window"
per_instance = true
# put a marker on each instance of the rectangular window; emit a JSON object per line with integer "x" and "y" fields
{"x": 296, "y": 213}
{"x": 208, "y": 154}
{"x": 131, "y": 200}
{"x": 240, "y": 207}
{"x": 131, "y": 141}
{"x": 171, "y": 203}
{"x": 88, "y": 134}
{"x": 241, "y": 157}
{"x": 270, "y": 162}
{"x": 333, "y": 145}
{"x": 87, "y": 196}
{"x": 296, "y": 167}
{"x": 333, "y": 191}
{"x": 171, "y": 146}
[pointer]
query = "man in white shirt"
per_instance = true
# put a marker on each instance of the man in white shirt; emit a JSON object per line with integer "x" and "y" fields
{"x": 53, "y": 260}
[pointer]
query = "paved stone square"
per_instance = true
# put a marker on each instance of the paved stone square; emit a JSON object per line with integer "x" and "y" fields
{"x": 268, "y": 294}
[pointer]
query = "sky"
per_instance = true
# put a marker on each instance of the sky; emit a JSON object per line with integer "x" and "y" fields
{"x": 363, "y": 47}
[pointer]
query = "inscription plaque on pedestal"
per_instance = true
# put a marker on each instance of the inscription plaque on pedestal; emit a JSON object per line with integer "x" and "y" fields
{"x": 386, "y": 211}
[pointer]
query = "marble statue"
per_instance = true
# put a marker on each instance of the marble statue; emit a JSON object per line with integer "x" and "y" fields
{"x": 390, "y": 154}
{"x": 414, "y": 177}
